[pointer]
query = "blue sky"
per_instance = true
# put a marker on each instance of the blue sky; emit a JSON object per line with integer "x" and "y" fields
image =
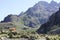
{"x": 16, "y": 6}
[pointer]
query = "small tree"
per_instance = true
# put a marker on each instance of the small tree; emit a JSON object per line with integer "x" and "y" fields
{"x": 47, "y": 38}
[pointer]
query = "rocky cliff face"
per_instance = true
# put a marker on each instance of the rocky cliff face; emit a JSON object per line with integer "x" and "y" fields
{"x": 52, "y": 26}
{"x": 39, "y": 13}
{"x": 36, "y": 15}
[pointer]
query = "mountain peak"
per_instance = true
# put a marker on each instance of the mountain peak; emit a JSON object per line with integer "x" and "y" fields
{"x": 36, "y": 15}
{"x": 42, "y": 3}
{"x": 39, "y": 13}
{"x": 53, "y": 2}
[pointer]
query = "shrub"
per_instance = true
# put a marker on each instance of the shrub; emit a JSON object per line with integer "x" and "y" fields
{"x": 24, "y": 36}
{"x": 32, "y": 38}
{"x": 14, "y": 33}
{"x": 10, "y": 35}
{"x": 47, "y": 38}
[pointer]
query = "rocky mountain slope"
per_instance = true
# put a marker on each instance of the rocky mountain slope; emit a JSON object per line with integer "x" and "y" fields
{"x": 52, "y": 26}
{"x": 36, "y": 15}
{"x": 39, "y": 13}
